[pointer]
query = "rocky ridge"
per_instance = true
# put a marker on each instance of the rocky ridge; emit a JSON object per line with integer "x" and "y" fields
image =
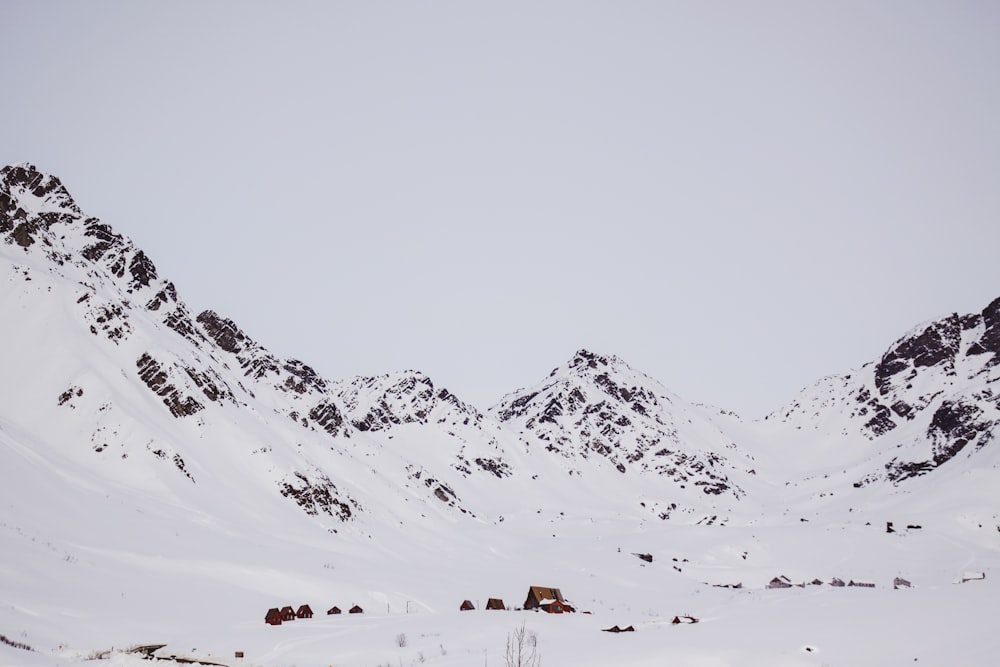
{"x": 929, "y": 400}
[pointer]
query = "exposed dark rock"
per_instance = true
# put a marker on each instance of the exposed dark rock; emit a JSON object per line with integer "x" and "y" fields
{"x": 303, "y": 378}
{"x": 990, "y": 340}
{"x": 213, "y": 386}
{"x": 881, "y": 423}
{"x": 495, "y": 466}
{"x": 142, "y": 270}
{"x": 953, "y": 426}
{"x": 316, "y": 496}
{"x": 222, "y": 331}
{"x": 180, "y": 321}
{"x": 105, "y": 240}
{"x": 937, "y": 344}
{"x": 24, "y": 233}
{"x": 165, "y": 296}
{"x": 328, "y": 417}
{"x": 69, "y": 394}
{"x": 156, "y": 378}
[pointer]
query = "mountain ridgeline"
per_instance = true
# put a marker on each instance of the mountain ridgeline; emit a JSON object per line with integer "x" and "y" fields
{"x": 109, "y": 371}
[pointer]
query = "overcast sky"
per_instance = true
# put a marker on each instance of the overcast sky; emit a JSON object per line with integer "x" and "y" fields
{"x": 737, "y": 198}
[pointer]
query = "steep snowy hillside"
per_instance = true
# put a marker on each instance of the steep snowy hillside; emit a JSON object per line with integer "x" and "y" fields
{"x": 933, "y": 398}
{"x": 94, "y": 324}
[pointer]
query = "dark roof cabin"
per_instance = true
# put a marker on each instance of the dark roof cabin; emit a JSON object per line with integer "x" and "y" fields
{"x": 495, "y": 603}
{"x": 273, "y": 616}
{"x": 333, "y": 610}
{"x": 356, "y": 610}
{"x": 837, "y": 582}
{"x": 550, "y": 600}
{"x": 287, "y": 614}
{"x": 780, "y": 582}
{"x": 899, "y": 582}
{"x": 304, "y": 612}
{"x": 467, "y": 606}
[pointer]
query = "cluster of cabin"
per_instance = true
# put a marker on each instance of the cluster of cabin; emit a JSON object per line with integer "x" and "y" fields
{"x": 540, "y": 598}
{"x": 784, "y": 582}
{"x": 276, "y": 616}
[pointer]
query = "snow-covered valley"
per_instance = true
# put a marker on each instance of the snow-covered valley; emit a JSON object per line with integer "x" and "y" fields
{"x": 168, "y": 481}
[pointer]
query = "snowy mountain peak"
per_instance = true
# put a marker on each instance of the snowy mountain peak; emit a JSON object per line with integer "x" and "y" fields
{"x": 23, "y": 186}
{"x": 598, "y": 408}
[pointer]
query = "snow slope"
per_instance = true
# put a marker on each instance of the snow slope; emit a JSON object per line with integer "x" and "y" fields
{"x": 167, "y": 480}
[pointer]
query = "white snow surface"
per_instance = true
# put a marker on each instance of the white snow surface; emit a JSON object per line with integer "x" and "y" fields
{"x": 123, "y": 525}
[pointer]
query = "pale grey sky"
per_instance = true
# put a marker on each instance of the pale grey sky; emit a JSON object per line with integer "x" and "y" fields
{"x": 737, "y": 198}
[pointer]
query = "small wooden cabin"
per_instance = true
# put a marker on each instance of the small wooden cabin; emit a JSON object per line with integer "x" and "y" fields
{"x": 273, "y": 616}
{"x": 287, "y": 614}
{"x": 333, "y": 610}
{"x": 356, "y": 610}
{"x": 615, "y": 628}
{"x": 837, "y": 582}
{"x": 467, "y": 606}
{"x": 860, "y": 584}
{"x": 547, "y": 599}
{"x": 899, "y": 582}
{"x": 555, "y": 607}
{"x": 495, "y": 603}
{"x": 780, "y": 582}
{"x": 304, "y": 612}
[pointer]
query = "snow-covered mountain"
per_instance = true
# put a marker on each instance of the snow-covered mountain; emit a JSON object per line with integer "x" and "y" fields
{"x": 152, "y": 456}
{"x": 931, "y": 399}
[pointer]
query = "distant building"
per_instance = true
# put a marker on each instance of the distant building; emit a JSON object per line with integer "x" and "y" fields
{"x": 356, "y": 610}
{"x": 780, "y": 582}
{"x": 467, "y": 606}
{"x": 837, "y": 582}
{"x": 333, "y": 610}
{"x": 304, "y": 612}
{"x": 899, "y": 582}
{"x": 495, "y": 603}
{"x": 273, "y": 616}
{"x": 860, "y": 584}
{"x": 287, "y": 614}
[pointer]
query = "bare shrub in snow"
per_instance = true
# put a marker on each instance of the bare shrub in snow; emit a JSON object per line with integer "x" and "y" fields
{"x": 401, "y": 639}
{"x": 522, "y": 648}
